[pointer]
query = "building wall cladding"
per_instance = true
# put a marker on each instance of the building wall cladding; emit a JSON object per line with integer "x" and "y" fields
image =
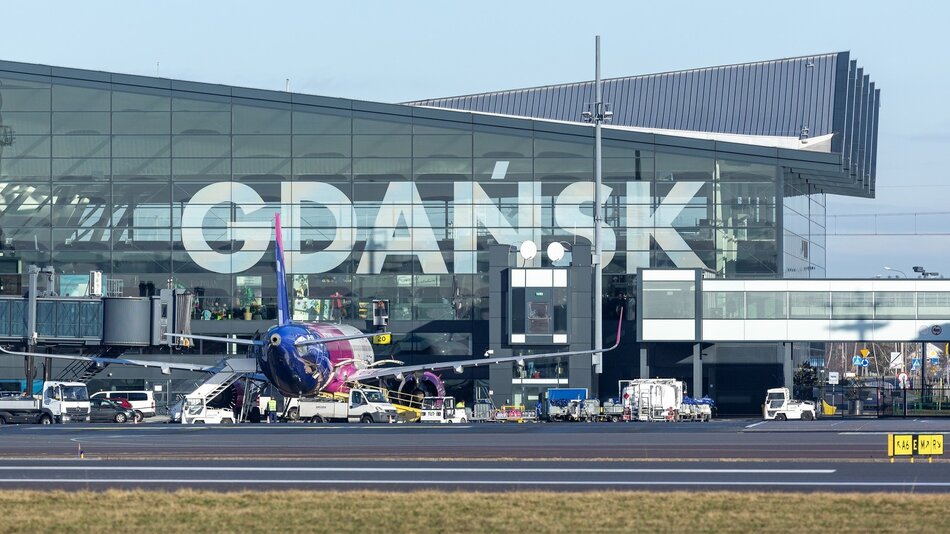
{"x": 810, "y": 95}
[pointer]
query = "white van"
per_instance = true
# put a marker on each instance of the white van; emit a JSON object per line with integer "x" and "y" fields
{"x": 142, "y": 401}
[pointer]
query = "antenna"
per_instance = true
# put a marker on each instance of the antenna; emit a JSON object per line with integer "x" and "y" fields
{"x": 158, "y": 65}
{"x": 287, "y": 85}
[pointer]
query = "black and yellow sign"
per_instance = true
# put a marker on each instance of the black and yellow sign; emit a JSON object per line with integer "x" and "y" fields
{"x": 915, "y": 444}
{"x": 383, "y": 339}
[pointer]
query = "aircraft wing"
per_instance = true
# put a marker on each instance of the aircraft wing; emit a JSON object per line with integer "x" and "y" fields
{"x": 164, "y": 366}
{"x": 261, "y": 343}
{"x": 458, "y": 365}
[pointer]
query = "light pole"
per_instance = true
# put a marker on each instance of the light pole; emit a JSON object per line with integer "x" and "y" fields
{"x": 886, "y": 268}
{"x": 598, "y": 114}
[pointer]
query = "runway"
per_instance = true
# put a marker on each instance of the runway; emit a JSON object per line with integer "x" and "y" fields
{"x": 731, "y": 440}
{"x": 480, "y": 476}
{"x": 740, "y": 455}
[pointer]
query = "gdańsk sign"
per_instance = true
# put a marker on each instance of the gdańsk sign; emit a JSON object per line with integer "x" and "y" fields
{"x": 472, "y": 209}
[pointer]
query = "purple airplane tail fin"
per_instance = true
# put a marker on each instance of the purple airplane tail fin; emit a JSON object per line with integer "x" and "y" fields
{"x": 283, "y": 305}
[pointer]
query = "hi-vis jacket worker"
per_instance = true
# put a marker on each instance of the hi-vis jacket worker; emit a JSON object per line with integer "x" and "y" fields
{"x": 272, "y": 410}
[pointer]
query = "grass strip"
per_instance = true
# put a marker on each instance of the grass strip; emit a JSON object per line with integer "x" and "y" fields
{"x": 429, "y": 511}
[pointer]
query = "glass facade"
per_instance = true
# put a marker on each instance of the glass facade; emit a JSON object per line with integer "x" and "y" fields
{"x": 159, "y": 185}
{"x": 803, "y": 218}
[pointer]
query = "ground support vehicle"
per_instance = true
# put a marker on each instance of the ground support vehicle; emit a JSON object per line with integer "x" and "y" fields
{"x": 611, "y": 411}
{"x": 583, "y": 410}
{"x": 556, "y": 403}
{"x": 652, "y": 399}
{"x": 61, "y": 402}
{"x": 509, "y": 413}
{"x": 197, "y": 411}
{"x": 696, "y": 409}
{"x": 442, "y": 410}
{"x": 483, "y": 410}
{"x": 780, "y": 406}
{"x": 360, "y": 406}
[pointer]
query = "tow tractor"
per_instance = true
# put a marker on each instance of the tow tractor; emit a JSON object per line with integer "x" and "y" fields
{"x": 442, "y": 410}
{"x": 780, "y": 406}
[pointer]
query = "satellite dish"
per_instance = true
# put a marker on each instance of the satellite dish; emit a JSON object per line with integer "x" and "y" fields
{"x": 555, "y": 251}
{"x": 528, "y": 250}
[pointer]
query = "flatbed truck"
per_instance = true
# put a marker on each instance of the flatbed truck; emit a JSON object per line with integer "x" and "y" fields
{"x": 60, "y": 402}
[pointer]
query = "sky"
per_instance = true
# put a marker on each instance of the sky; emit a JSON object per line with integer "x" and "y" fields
{"x": 398, "y": 51}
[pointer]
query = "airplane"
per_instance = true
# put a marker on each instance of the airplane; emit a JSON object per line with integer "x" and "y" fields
{"x": 304, "y": 359}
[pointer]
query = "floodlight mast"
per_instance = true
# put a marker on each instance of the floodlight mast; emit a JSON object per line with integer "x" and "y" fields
{"x": 597, "y": 115}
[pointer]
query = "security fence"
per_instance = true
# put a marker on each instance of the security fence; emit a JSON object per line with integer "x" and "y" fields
{"x": 882, "y": 401}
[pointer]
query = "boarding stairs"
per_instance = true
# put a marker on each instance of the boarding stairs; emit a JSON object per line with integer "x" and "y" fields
{"x": 84, "y": 370}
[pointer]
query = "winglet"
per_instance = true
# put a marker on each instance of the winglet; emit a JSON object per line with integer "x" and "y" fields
{"x": 283, "y": 305}
{"x": 619, "y": 324}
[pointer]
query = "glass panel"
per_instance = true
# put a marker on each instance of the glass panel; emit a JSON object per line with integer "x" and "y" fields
{"x": 851, "y": 305}
{"x": 125, "y": 101}
{"x": 809, "y": 305}
{"x": 321, "y": 146}
{"x": 377, "y": 123}
{"x": 198, "y": 146}
{"x": 261, "y": 146}
{"x": 327, "y": 122}
{"x": 933, "y": 305}
{"x": 723, "y": 305}
{"x": 895, "y": 305}
{"x": 81, "y": 169}
{"x": 259, "y": 120}
{"x": 25, "y": 122}
{"x": 443, "y": 169}
{"x": 190, "y": 102}
{"x": 382, "y": 146}
{"x": 81, "y": 146}
{"x": 140, "y": 123}
{"x": 563, "y": 147}
{"x": 673, "y": 167}
{"x": 669, "y": 300}
{"x": 24, "y": 169}
{"x": 68, "y": 98}
{"x": 141, "y": 146}
{"x": 442, "y": 146}
{"x": 766, "y": 304}
{"x": 747, "y": 172}
{"x": 80, "y": 122}
{"x": 201, "y": 168}
{"x": 495, "y": 145}
{"x": 24, "y": 96}
{"x": 26, "y": 146}
{"x": 201, "y": 122}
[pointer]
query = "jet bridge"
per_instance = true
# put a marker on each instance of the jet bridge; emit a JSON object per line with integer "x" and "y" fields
{"x": 96, "y": 321}
{"x": 683, "y": 305}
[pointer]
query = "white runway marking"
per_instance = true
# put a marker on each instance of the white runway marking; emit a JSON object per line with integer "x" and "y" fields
{"x": 251, "y": 469}
{"x": 755, "y": 424}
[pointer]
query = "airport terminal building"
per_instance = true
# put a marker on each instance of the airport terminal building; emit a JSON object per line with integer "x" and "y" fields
{"x": 165, "y": 183}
